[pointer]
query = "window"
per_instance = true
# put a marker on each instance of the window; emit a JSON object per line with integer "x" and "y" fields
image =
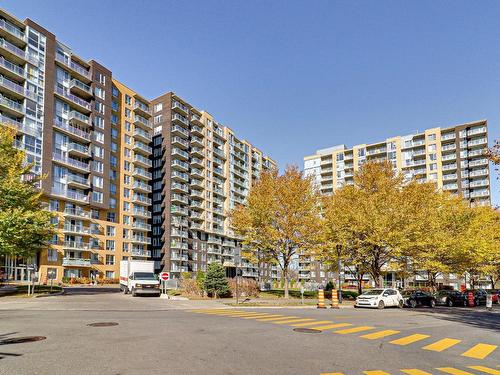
{"x": 127, "y": 126}
{"x": 114, "y": 119}
{"x": 157, "y": 119}
{"x": 99, "y": 136}
{"x": 99, "y": 92}
{"x": 112, "y": 189}
{"x": 114, "y": 147}
{"x": 110, "y": 274}
{"x": 158, "y": 107}
{"x": 110, "y": 261}
{"x": 97, "y": 197}
{"x": 128, "y": 99}
{"x": 361, "y": 152}
{"x": 98, "y": 181}
{"x": 110, "y": 230}
{"x": 101, "y": 78}
{"x": 95, "y": 214}
{"x": 110, "y": 245}
{"x": 99, "y": 122}
{"x": 52, "y": 255}
{"x": 433, "y": 166}
{"x": 100, "y": 107}
{"x": 432, "y": 147}
{"x": 432, "y": 157}
{"x": 98, "y": 151}
{"x": 54, "y": 205}
{"x": 113, "y": 161}
{"x": 112, "y": 202}
{"x": 128, "y": 113}
{"x": 111, "y": 216}
{"x": 125, "y": 247}
{"x": 431, "y": 137}
{"x": 114, "y": 91}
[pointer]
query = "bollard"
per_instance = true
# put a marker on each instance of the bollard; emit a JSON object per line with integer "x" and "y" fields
{"x": 321, "y": 299}
{"x": 335, "y": 299}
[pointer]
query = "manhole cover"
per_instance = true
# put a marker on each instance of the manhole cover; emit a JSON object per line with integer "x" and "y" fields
{"x": 20, "y": 340}
{"x": 102, "y": 324}
{"x": 307, "y": 330}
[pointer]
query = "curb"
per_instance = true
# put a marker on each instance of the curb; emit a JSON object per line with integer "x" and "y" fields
{"x": 285, "y": 307}
{"x": 51, "y": 295}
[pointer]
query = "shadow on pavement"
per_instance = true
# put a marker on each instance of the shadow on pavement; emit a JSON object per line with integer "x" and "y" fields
{"x": 474, "y": 317}
{"x": 90, "y": 290}
{"x": 6, "y": 336}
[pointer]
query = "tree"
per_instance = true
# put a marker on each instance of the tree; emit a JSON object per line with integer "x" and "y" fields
{"x": 215, "y": 282}
{"x": 280, "y": 220}
{"x": 494, "y": 154}
{"x": 377, "y": 220}
{"x": 25, "y": 226}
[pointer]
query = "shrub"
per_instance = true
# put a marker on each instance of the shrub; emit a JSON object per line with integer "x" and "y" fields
{"x": 246, "y": 287}
{"x": 215, "y": 283}
{"x": 191, "y": 287}
{"x": 329, "y": 286}
{"x": 185, "y": 275}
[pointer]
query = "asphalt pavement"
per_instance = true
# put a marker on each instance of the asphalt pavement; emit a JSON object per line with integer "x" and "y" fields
{"x": 159, "y": 336}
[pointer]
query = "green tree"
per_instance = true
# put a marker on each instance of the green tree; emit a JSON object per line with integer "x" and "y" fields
{"x": 280, "y": 219}
{"x": 25, "y": 227}
{"x": 215, "y": 282}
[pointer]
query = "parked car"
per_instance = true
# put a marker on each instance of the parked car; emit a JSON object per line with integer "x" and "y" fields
{"x": 450, "y": 298}
{"x": 379, "y": 298}
{"x": 479, "y": 296}
{"x": 414, "y": 298}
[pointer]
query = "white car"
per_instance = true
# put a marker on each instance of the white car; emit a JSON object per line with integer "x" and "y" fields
{"x": 379, "y": 298}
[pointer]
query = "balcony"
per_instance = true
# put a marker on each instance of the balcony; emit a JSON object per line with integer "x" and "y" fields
{"x": 448, "y": 167}
{"x": 81, "y": 89}
{"x": 142, "y": 147}
{"x": 14, "y": 89}
{"x": 479, "y": 172}
{"x": 452, "y": 176}
{"x": 76, "y": 69}
{"x": 449, "y": 147}
{"x": 196, "y": 205}
{"x": 480, "y": 193}
{"x": 141, "y": 199}
{"x": 76, "y": 212}
{"x": 197, "y": 173}
{"x": 76, "y": 262}
{"x": 138, "y": 252}
{"x": 11, "y": 70}
{"x": 177, "y": 187}
{"x": 142, "y": 135}
{"x": 176, "y": 175}
{"x": 77, "y": 118}
{"x": 141, "y": 121}
{"x": 448, "y": 137}
{"x": 197, "y": 130}
{"x": 178, "y": 233}
{"x": 180, "y": 165}
{"x": 196, "y": 162}
{"x": 141, "y": 239}
{"x": 143, "y": 161}
{"x": 179, "y": 107}
{"x": 178, "y": 141}
{"x": 479, "y": 183}
{"x": 71, "y": 195}
{"x": 177, "y": 198}
{"x": 78, "y": 181}
{"x": 137, "y": 225}
{"x": 19, "y": 126}
{"x": 178, "y": 245}
{"x": 197, "y": 183}
{"x": 12, "y": 33}
{"x": 11, "y": 107}
{"x": 196, "y": 216}
{"x": 478, "y": 162}
{"x": 197, "y": 141}
{"x": 180, "y": 153}
{"x": 477, "y": 142}
{"x": 71, "y": 163}
{"x": 474, "y": 131}
{"x": 179, "y": 119}
{"x": 73, "y": 100}
{"x": 449, "y": 157}
{"x": 179, "y": 130}
{"x": 139, "y": 172}
{"x": 77, "y": 229}
{"x": 141, "y": 186}
{"x": 219, "y": 152}
{"x": 76, "y": 245}
{"x": 142, "y": 109}
{"x": 78, "y": 149}
{"x": 141, "y": 213}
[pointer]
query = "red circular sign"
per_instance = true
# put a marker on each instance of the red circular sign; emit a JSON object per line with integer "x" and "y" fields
{"x": 164, "y": 276}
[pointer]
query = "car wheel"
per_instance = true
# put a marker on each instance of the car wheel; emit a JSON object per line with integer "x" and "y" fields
{"x": 134, "y": 294}
{"x": 355, "y": 306}
{"x": 449, "y": 303}
{"x": 381, "y": 305}
{"x": 432, "y": 304}
{"x": 400, "y": 304}
{"x": 413, "y": 303}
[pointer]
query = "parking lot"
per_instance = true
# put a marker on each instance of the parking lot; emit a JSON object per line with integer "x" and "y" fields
{"x": 158, "y": 336}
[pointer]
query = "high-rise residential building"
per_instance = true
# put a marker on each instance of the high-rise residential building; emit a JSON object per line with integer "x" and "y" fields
{"x": 201, "y": 170}
{"x": 119, "y": 193}
{"x": 452, "y": 157}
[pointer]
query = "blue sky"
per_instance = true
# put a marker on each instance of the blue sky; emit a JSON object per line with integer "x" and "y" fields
{"x": 295, "y": 76}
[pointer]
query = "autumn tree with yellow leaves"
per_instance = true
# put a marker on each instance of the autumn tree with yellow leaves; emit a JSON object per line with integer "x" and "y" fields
{"x": 280, "y": 219}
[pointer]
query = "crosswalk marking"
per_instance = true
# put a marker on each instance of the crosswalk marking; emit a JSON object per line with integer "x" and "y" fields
{"x": 487, "y": 370}
{"x": 409, "y": 339}
{"x": 354, "y": 330}
{"x": 380, "y": 334}
{"x": 375, "y": 372}
{"x": 293, "y": 321}
{"x": 238, "y": 315}
{"x": 312, "y": 323}
{"x": 273, "y": 319}
{"x": 479, "y": 351}
{"x": 260, "y": 316}
{"x": 441, "y": 345}
{"x": 415, "y": 371}
{"x": 331, "y": 326}
{"x": 453, "y": 371}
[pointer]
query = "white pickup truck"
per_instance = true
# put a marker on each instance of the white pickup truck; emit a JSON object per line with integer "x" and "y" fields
{"x": 138, "y": 277}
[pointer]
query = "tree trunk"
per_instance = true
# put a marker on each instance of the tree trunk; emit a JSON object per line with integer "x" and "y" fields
{"x": 285, "y": 274}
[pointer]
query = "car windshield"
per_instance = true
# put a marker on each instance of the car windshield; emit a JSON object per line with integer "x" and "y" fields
{"x": 144, "y": 276}
{"x": 373, "y": 292}
{"x": 407, "y": 293}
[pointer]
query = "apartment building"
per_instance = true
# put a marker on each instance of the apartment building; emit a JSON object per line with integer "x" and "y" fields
{"x": 201, "y": 170}
{"x": 78, "y": 128}
{"x": 452, "y": 157}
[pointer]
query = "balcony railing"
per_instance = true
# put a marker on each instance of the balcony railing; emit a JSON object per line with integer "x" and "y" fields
{"x": 142, "y": 185}
{"x": 71, "y": 195}
{"x": 139, "y": 225}
{"x": 13, "y": 30}
{"x": 80, "y": 245}
{"x": 71, "y": 129}
{"x": 69, "y": 161}
{"x": 76, "y": 212}
{"x": 180, "y": 129}
{"x": 141, "y": 120}
{"x": 78, "y": 179}
{"x": 13, "y": 105}
{"x": 12, "y": 67}
{"x": 76, "y": 229}
{"x": 140, "y": 252}
{"x": 28, "y": 129}
{"x": 74, "y": 66}
{"x": 77, "y": 262}
{"x": 141, "y": 172}
{"x": 142, "y": 199}
{"x": 15, "y": 87}
{"x": 178, "y": 117}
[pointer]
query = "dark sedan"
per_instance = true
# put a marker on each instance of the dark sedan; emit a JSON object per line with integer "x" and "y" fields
{"x": 451, "y": 298}
{"x": 414, "y": 298}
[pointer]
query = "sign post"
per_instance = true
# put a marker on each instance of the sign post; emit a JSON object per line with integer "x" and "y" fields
{"x": 164, "y": 277}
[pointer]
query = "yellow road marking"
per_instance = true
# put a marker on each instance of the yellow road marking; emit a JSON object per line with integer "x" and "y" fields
{"x": 273, "y": 319}
{"x": 224, "y": 312}
{"x": 260, "y": 316}
{"x": 354, "y": 330}
{"x": 487, "y": 370}
{"x": 415, "y": 371}
{"x": 331, "y": 326}
{"x": 332, "y": 373}
{"x": 479, "y": 351}
{"x": 232, "y": 313}
{"x": 293, "y": 321}
{"x": 312, "y": 323}
{"x": 375, "y": 372}
{"x": 246, "y": 315}
{"x": 453, "y": 371}
{"x": 380, "y": 334}
{"x": 409, "y": 339}
{"x": 441, "y": 345}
